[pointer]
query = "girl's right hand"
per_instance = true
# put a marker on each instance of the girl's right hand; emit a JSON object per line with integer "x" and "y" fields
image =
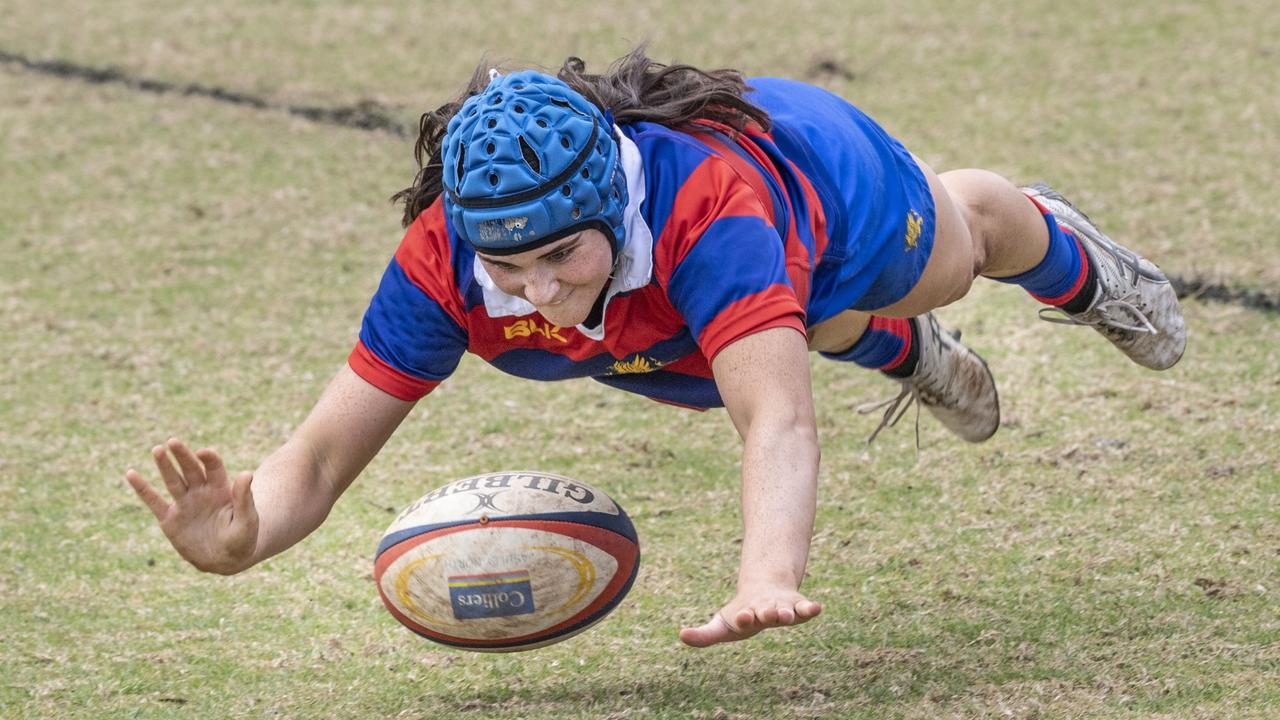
{"x": 212, "y": 523}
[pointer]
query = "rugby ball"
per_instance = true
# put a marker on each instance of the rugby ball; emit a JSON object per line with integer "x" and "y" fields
{"x": 507, "y": 561}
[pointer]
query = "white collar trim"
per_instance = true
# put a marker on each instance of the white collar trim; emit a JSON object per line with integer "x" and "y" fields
{"x": 635, "y": 265}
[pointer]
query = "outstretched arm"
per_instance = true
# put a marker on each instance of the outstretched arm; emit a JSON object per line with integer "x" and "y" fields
{"x": 225, "y": 527}
{"x": 764, "y": 382}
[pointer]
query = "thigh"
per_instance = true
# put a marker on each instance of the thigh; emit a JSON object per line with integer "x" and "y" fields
{"x": 947, "y": 275}
{"x": 952, "y": 263}
{"x": 837, "y": 333}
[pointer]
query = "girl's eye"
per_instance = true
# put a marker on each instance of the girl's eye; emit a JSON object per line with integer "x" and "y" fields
{"x": 560, "y": 255}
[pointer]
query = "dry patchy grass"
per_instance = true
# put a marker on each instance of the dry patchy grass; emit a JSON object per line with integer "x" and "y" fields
{"x": 174, "y": 265}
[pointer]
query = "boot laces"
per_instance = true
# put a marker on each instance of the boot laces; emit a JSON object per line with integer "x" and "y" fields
{"x": 928, "y": 386}
{"x": 895, "y": 408}
{"x": 1109, "y": 313}
{"x": 1101, "y": 316}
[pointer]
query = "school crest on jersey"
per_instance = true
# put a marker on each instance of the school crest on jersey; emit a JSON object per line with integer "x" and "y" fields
{"x": 637, "y": 364}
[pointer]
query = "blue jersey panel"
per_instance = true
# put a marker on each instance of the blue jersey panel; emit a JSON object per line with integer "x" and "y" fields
{"x": 670, "y": 387}
{"x": 398, "y": 319}
{"x": 736, "y": 258}
{"x": 669, "y": 158}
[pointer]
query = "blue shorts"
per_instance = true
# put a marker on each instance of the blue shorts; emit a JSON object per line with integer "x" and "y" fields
{"x": 878, "y": 206}
{"x": 902, "y": 262}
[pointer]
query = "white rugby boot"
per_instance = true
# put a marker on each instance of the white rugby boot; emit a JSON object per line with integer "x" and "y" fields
{"x": 1134, "y": 307}
{"x": 950, "y": 381}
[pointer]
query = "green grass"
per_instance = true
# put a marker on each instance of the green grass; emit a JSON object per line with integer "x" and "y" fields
{"x": 178, "y": 266}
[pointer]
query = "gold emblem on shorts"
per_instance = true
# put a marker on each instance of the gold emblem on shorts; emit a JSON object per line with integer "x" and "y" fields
{"x": 915, "y": 223}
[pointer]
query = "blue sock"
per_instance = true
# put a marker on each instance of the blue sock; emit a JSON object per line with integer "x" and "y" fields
{"x": 1063, "y": 272}
{"x": 885, "y": 345}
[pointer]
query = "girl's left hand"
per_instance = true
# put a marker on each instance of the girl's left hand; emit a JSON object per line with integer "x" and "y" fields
{"x": 752, "y": 610}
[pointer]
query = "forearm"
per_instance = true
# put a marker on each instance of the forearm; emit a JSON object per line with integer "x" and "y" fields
{"x": 297, "y": 485}
{"x": 779, "y": 496}
{"x": 294, "y": 496}
{"x": 763, "y": 379}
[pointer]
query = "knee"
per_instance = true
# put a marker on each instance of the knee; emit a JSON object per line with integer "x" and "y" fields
{"x": 981, "y": 197}
{"x": 979, "y": 193}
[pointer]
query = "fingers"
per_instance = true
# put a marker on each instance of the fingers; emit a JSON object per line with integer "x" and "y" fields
{"x": 192, "y": 469}
{"x": 784, "y": 616}
{"x": 158, "y": 506}
{"x": 807, "y": 610}
{"x": 214, "y": 471}
{"x": 750, "y": 620}
{"x": 173, "y": 479}
{"x": 765, "y": 615}
{"x": 770, "y": 614}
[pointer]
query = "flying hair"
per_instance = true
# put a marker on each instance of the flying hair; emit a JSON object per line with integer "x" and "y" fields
{"x": 635, "y": 88}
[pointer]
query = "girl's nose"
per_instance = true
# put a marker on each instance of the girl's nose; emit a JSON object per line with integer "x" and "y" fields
{"x": 541, "y": 287}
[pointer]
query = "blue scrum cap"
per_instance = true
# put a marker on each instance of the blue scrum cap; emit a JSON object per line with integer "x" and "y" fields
{"x": 529, "y": 161}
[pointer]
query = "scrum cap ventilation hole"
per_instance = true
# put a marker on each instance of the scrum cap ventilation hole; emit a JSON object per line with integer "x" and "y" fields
{"x": 530, "y": 157}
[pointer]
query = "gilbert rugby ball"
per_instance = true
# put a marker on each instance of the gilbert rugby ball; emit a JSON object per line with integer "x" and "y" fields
{"x": 507, "y": 561}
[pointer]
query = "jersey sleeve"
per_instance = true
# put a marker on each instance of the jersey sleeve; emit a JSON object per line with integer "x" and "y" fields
{"x": 413, "y": 335}
{"x": 728, "y": 266}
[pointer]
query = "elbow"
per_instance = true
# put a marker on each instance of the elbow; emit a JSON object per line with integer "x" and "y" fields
{"x": 803, "y": 422}
{"x": 793, "y": 429}
{"x": 224, "y": 568}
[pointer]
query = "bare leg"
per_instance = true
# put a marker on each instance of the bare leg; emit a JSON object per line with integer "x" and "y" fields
{"x": 838, "y": 333}
{"x": 984, "y": 226}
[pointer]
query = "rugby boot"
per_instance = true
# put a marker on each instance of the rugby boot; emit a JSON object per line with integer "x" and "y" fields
{"x": 951, "y": 381}
{"x": 1134, "y": 306}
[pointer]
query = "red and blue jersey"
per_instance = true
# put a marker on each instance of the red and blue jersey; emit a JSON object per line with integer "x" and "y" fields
{"x": 727, "y": 234}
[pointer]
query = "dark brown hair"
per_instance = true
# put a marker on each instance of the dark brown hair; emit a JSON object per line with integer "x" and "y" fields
{"x": 635, "y": 88}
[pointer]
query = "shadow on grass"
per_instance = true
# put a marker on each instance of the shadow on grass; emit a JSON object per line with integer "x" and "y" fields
{"x": 735, "y": 682}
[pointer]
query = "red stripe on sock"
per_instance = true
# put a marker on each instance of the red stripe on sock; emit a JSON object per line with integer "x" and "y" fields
{"x": 1067, "y": 296}
{"x": 899, "y": 327}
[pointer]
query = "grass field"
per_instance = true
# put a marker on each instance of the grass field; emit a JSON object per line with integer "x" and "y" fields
{"x": 178, "y": 265}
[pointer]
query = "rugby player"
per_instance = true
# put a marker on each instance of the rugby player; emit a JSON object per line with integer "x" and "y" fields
{"x": 689, "y": 236}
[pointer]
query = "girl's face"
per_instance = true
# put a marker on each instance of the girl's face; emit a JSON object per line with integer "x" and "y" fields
{"x": 562, "y": 280}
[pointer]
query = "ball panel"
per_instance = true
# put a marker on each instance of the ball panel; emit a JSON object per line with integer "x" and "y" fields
{"x": 620, "y": 524}
{"x": 503, "y": 494}
{"x": 527, "y": 581}
{"x": 538, "y": 582}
